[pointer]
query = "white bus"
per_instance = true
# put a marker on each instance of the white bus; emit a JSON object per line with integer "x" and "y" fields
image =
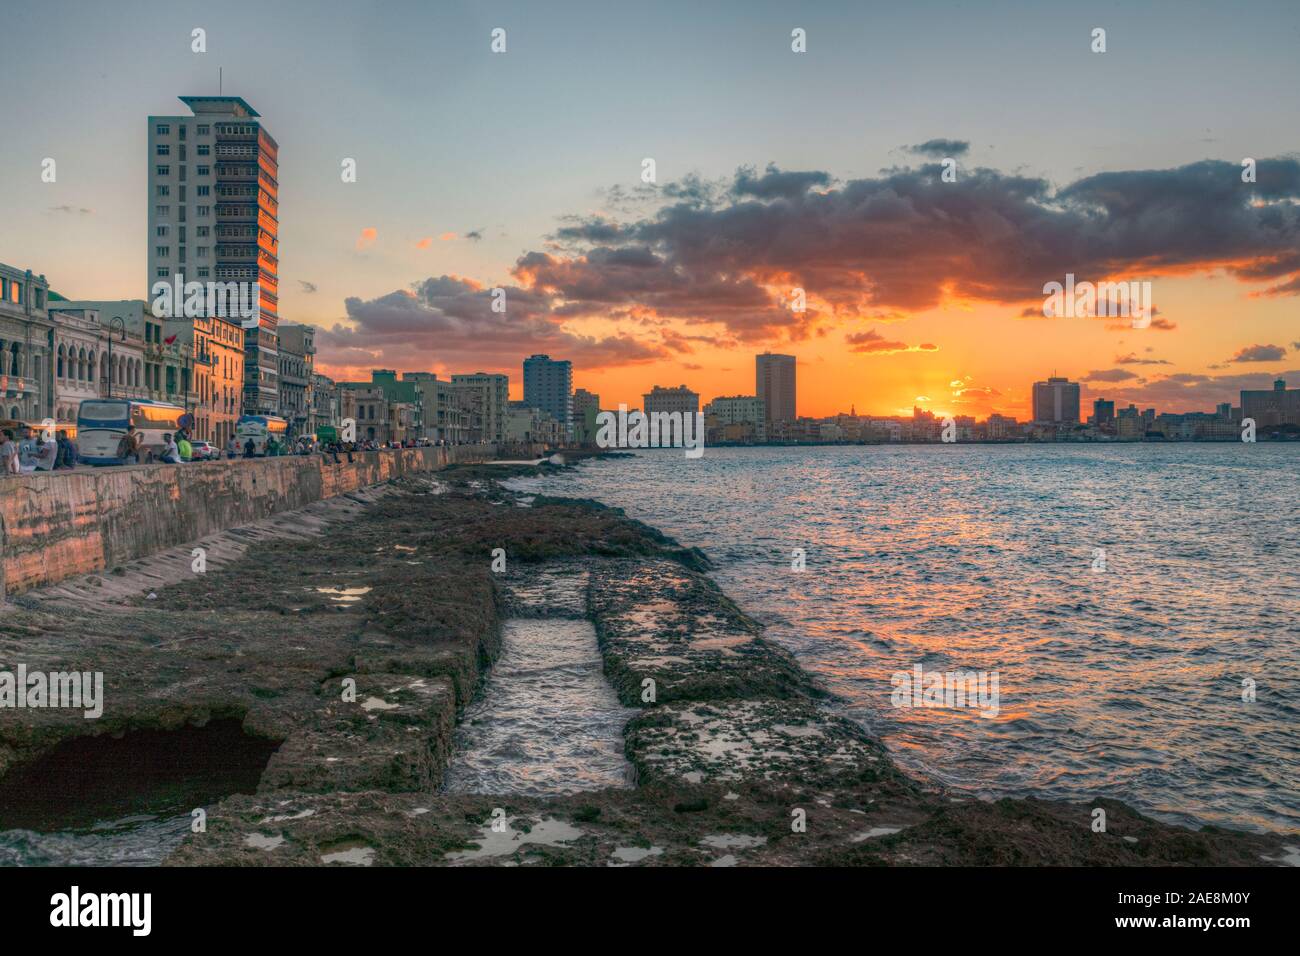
{"x": 101, "y": 423}
{"x": 260, "y": 428}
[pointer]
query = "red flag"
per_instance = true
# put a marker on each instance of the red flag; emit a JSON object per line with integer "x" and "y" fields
{"x": 169, "y": 340}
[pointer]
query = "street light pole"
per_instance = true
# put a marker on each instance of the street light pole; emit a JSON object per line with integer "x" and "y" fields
{"x": 115, "y": 324}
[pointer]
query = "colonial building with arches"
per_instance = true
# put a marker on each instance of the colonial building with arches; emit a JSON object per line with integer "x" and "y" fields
{"x": 24, "y": 345}
{"x": 77, "y": 344}
{"x": 77, "y": 328}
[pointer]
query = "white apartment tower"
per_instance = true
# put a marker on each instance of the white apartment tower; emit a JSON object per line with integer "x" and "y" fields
{"x": 214, "y": 217}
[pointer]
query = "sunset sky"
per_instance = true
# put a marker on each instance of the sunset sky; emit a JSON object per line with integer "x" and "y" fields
{"x": 775, "y": 170}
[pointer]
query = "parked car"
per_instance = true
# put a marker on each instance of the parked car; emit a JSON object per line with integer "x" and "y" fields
{"x": 202, "y": 451}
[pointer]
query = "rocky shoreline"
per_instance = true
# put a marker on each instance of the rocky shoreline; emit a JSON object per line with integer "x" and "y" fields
{"x": 352, "y": 638}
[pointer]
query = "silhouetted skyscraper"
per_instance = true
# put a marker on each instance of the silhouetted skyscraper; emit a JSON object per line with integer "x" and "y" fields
{"x": 774, "y": 381}
{"x": 1056, "y": 401}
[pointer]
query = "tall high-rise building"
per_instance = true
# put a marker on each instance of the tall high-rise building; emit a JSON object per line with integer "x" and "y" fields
{"x": 548, "y": 385}
{"x": 214, "y": 217}
{"x": 1103, "y": 412}
{"x": 775, "y": 384}
{"x": 1056, "y": 401}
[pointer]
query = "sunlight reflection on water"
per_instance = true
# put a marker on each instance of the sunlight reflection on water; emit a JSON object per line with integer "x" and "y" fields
{"x": 1125, "y": 683}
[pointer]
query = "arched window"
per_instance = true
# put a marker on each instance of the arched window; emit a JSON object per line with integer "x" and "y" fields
{"x": 61, "y": 354}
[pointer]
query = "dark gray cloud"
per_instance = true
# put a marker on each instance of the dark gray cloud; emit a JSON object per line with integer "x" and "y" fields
{"x": 731, "y": 254}
{"x": 940, "y": 148}
{"x": 450, "y": 320}
{"x": 308, "y": 287}
{"x": 775, "y": 184}
{"x": 1110, "y": 375}
{"x": 1189, "y": 390}
{"x": 1132, "y": 359}
{"x": 905, "y": 239}
{"x": 1259, "y": 353}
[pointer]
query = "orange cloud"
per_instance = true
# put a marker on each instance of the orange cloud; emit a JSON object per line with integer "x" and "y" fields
{"x": 447, "y": 236}
{"x": 872, "y": 342}
{"x": 424, "y": 243}
{"x": 367, "y": 237}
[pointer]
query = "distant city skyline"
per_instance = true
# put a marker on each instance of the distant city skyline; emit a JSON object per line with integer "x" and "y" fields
{"x": 774, "y": 172}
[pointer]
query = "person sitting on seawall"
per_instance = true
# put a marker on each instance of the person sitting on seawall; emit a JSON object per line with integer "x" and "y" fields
{"x": 128, "y": 448}
{"x": 183, "y": 446}
{"x": 8, "y": 453}
{"x": 232, "y": 448}
{"x": 171, "y": 454}
{"x": 68, "y": 454}
{"x": 27, "y": 451}
{"x": 47, "y": 453}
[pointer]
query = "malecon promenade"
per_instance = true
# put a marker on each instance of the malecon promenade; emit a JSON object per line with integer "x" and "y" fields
{"x": 313, "y": 631}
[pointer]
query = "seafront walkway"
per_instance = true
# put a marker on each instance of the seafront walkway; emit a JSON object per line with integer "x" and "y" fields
{"x": 61, "y": 523}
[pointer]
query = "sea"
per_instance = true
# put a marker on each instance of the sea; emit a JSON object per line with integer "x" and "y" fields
{"x": 1138, "y": 604}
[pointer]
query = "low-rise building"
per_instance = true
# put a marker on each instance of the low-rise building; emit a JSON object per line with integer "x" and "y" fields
{"x": 492, "y": 401}
{"x": 1000, "y": 427}
{"x": 165, "y": 357}
{"x": 378, "y": 416}
{"x": 296, "y": 351}
{"x": 586, "y": 406}
{"x": 324, "y": 403}
{"x": 449, "y": 413}
{"x": 680, "y": 399}
{"x": 532, "y": 425}
{"x": 77, "y": 339}
{"x": 25, "y": 330}
{"x": 122, "y": 350}
{"x": 218, "y": 376}
{"x": 1130, "y": 425}
{"x": 731, "y": 414}
{"x": 1272, "y": 407}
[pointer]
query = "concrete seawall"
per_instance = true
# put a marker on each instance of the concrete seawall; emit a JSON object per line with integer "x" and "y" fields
{"x": 56, "y": 525}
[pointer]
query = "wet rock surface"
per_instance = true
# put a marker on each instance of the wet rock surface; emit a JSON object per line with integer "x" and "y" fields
{"x": 752, "y": 739}
{"x": 664, "y": 622}
{"x": 356, "y": 647}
